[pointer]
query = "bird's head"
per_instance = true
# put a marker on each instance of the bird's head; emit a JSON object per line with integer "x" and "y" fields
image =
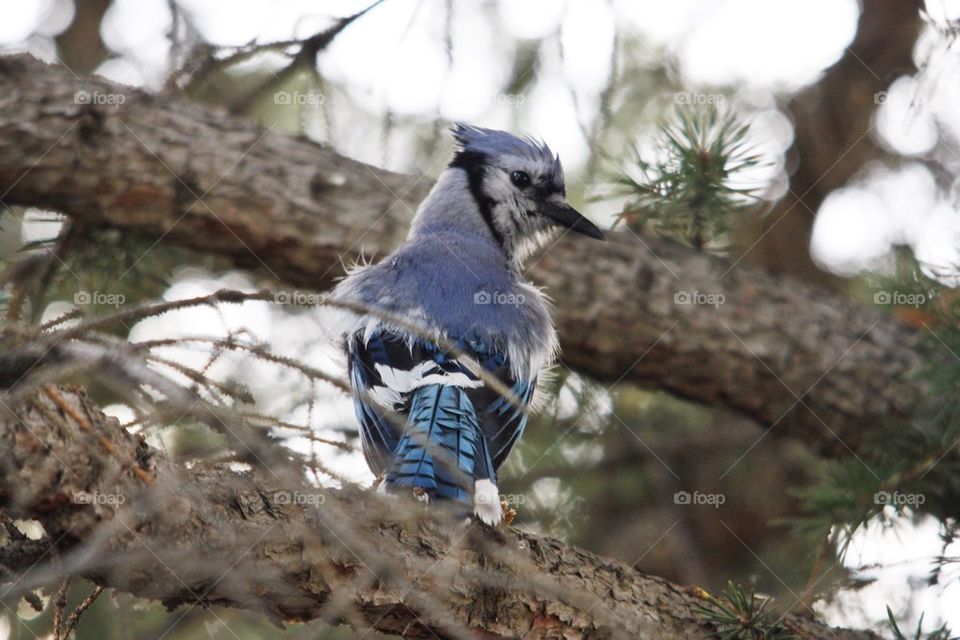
{"x": 517, "y": 184}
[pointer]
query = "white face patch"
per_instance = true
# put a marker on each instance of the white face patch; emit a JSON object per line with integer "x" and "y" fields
{"x": 514, "y": 212}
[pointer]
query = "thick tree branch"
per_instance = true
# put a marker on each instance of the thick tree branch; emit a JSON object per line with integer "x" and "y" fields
{"x": 799, "y": 358}
{"x": 124, "y": 516}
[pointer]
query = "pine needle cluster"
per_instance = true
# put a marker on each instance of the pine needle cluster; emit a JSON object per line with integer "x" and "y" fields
{"x": 695, "y": 184}
{"x": 738, "y": 614}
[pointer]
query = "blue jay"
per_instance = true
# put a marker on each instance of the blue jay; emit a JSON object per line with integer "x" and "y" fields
{"x": 429, "y": 423}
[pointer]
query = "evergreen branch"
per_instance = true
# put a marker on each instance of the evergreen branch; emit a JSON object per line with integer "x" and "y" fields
{"x": 737, "y": 614}
{"x": 695, "y": 184}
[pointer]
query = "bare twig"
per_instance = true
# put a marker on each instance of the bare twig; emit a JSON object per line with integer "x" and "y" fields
{"x": 304, "y": 59}
{"x": 59, "y": 605}
{"x": 81, "y": 608}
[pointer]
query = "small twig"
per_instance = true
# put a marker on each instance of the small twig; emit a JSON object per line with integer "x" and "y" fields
{"x": 176, "y": 44}
{"x": 81, "y": 608}
{"x": 237, "y": 297}
{"x": 219, "y": 391}
{"x": 306, "y": 430}
{"x": 240, "y": 54}
{"x": 70, "y": 315}
{"x": 65, "y": 241}
{"x": 155, "y": 309}
{"x": 60, "y": 605}
{"x": 304, "y": 58}
{"x": 260, "y": 352}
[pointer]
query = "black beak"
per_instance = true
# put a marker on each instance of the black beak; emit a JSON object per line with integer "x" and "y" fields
{"x": 566, "y": 216}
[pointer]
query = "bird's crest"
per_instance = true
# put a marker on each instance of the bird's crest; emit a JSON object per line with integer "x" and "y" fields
{"x": 491, "y": 143}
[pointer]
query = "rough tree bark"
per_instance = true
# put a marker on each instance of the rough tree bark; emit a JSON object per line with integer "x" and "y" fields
{"x": 208, "y": 536}
{"x": 795, "y": 357}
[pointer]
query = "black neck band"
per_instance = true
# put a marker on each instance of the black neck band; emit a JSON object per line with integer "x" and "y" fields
{"x": 474, "y": 164}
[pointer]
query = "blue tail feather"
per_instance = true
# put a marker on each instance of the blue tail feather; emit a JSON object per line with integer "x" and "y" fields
{"x": 442, "y": 450}
{"x": 454, "y": 434}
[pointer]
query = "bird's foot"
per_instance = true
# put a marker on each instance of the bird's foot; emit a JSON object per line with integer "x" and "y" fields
{"x": 509, "y": 512}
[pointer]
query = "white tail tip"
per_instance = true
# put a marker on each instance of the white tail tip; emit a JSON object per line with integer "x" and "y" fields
{"x": 486, "y": 502}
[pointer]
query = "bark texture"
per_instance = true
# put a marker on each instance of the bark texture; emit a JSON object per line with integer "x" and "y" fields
{"x": 795, "y": 357}
{"x": 206, "y": 535}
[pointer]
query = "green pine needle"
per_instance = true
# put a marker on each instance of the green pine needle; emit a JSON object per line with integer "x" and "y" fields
{"x": 906, "y": 469}
{"x": 690, "y": 192}
{"x": 941, "y": 633}
{"x": 737, "y": 614}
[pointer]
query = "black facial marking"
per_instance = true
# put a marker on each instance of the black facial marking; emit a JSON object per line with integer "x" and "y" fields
{"x": 548, "y": 186}
{"x": 475, "y": 164}
{"x": 513, "y": 219}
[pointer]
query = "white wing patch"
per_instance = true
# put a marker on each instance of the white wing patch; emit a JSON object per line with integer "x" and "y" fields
{"x": 461, "y": 380}
{"x": 404, "y": 380}
{"x": 386, "y": 397}
{"x": 397, "y": 382}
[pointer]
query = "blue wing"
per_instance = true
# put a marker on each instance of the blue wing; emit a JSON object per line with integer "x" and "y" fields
{"x": 372, "y": 402}
{"x": 448, "y": 428}
{"x": 503, "y": 421}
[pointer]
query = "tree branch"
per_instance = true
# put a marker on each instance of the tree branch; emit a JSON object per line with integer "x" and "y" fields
{"x": 204, "y": 535}
{"x": 803, "y": 360}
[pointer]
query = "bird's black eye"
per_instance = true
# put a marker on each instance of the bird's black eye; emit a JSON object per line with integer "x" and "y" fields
{"x": 520, "y": 179}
